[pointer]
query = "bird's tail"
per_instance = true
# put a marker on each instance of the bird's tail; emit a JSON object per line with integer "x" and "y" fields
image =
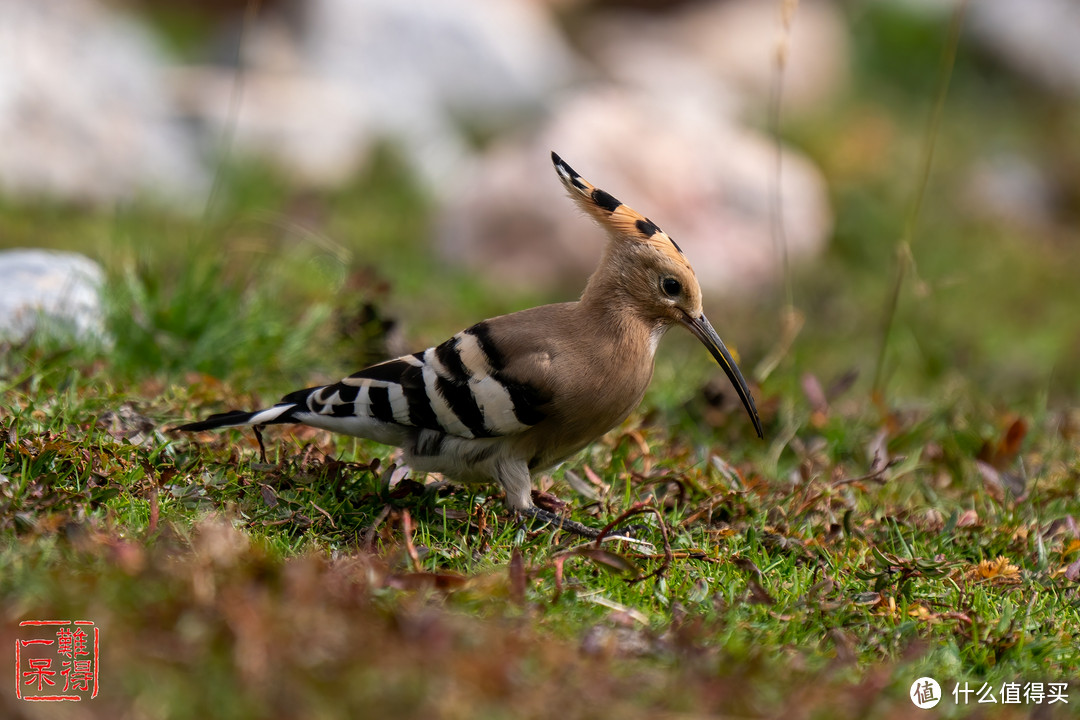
{"x": 280, "y": 413}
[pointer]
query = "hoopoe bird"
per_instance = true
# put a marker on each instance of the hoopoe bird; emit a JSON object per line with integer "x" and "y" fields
{"x": 520, "y": 393}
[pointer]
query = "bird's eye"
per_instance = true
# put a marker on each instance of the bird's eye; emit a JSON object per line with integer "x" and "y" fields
{"x": 671, "y": 286}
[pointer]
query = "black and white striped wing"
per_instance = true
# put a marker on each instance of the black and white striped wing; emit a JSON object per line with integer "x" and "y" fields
{"x": 459, "y": 388}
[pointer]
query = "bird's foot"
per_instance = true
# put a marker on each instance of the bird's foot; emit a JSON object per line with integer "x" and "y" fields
{"x": 561, "y": 522}
{"x": 565, "y": 523}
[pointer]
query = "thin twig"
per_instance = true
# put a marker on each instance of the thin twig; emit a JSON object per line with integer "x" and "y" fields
{"x": 905, "y": 257}
{"x": 369, "y": 534}
{"x": 155, "y": 510}
{"x": 326, "y": 514}
{"x": 236, "y": 94}
{"x": 407, "y": 529}
{"x": 874, "y": 476}
{"x": 481, "y": 527}
{"x": 641, "y": 509}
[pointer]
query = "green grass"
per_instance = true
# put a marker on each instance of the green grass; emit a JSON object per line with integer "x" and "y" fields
{"x": 865, "y": 543}
{"x": 785, "y": 586}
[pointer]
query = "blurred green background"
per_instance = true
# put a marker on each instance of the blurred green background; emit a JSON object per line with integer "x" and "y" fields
{"x": 275, "y": 283}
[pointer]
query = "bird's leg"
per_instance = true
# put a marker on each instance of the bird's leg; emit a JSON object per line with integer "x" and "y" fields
{"x": 517, "y": 483}
{"x": 515, "y": 480}
{"x": 262, "y": 448}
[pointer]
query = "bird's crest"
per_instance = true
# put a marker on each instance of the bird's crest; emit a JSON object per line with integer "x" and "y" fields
{"x": 621, "y": 221}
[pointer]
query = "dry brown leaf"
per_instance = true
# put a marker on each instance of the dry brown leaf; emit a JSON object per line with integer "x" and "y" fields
{"x": 1001, "y": 454}
{"x": 1009, "y": 445}
{"x": 758, "y": 594}
{"x": 426, "y": 581}
{"x": 887, "y": 606}
{"x": 998, "y": 571}
{"x": 920, "y": 612}
{"x": 594, "y": 478}
{"x": 815, "y": 395}
{"x": 516, "y": 570}
{"x": 968, "y": 518}
{"x": 549, "y": 502}
{"x": 842, "y": 384}
{"x": 606, "y": 559}
{"x": 991, "y": 480}
{"x": 268, "y": 495}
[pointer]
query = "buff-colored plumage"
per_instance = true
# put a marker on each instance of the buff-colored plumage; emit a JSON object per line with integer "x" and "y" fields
{"x": 521, "y": 392}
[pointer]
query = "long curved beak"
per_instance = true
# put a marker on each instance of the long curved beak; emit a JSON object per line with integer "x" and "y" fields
{"x": 703, "y": 331}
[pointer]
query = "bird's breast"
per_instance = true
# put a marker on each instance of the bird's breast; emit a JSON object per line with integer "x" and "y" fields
{"x": 589, "y": 401}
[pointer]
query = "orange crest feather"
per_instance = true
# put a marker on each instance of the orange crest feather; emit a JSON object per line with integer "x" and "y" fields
{"x": 621, "y": 221}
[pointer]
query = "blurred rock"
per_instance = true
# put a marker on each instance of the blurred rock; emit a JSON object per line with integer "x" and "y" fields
{"x": 1013, "y": 189}
{"x": 1037, "y": 38}
{"x": 424, "y": 74}
{"x": 83, "y": 111}
{"x": 471, "y": 57}
{"x": 732, "y": 45}
{"x": 48, "y": 291}
{"x": 311, "y": 128}
{"x": 706, "y": 181}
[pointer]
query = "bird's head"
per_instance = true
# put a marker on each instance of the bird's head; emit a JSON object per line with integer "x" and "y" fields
{"x": 651, "y": 272}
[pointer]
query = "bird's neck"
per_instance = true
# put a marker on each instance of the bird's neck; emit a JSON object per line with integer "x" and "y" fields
{"x": 612, "y": 312}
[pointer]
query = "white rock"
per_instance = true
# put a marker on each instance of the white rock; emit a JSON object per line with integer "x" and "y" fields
{"x": 703, "y": 179}
{"x": 729, "y": 48}
{"x": 311, "y": 128}
{"x": 1013, "y": 189}
{"x": 364, "y": 71}
{"x": 50, "y": 291}
{"x": 83, "y": 112}
{"x": 470, "y": 56}
{"x": 1036, "y": 37}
